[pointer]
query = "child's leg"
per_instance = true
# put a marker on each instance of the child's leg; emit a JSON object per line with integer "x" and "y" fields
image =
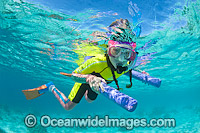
{"x": 65, "y": 102}
{"x": 79, "y": 90}
{"x": 90, "y": 95}
{"x": 86, "y": 97}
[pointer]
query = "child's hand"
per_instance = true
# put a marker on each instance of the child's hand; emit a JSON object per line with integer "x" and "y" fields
{"x": 145, "y": 73}
{"x": 95, "y": 83}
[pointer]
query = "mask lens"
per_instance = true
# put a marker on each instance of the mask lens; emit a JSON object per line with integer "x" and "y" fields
{"x": 127, "y": 54}
{"x": 115, "y": 51}
{"x": 133, "y": 56}
{"x": 124, "y": 53}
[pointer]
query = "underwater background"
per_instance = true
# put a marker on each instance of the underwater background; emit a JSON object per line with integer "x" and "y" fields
{"x": 39, "y": 39}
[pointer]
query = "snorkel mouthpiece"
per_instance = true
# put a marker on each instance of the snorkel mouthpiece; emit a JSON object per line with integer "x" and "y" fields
{"x": 121, "y": 69}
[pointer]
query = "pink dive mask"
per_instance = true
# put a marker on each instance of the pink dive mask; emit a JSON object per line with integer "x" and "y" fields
{"x": 117, "y": 49}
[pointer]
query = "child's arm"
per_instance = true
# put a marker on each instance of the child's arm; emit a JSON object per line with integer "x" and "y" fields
{"x": 81, "y": 78}
{"x": 139, "y": 70}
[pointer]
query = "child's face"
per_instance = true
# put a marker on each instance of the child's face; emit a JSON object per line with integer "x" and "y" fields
{"x": 117, "y": 61}
{"x": 120, "y": 55}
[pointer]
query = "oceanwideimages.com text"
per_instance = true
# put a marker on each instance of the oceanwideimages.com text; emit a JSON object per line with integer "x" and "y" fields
{"x": 96, "y": 121}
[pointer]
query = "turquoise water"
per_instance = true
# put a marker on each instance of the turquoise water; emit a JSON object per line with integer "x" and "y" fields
{"x": 37, "y": 43}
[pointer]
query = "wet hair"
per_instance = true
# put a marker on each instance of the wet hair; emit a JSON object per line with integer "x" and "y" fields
{"x": 120, "y": 22}
{"x": 124, "y": 26}
{"x": 126, "y": 36}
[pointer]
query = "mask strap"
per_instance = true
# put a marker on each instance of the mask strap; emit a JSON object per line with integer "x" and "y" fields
{"x": 112, "y": 70}
{"x": 116, "y": 82}
{"x": 130, "y": 72}
{"x": 130, "y": 85}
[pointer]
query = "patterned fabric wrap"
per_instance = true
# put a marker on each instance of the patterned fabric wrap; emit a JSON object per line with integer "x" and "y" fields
{"x": 121, "y": 99}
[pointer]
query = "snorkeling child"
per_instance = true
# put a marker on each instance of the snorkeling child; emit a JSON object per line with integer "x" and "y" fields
{"x": 119, "y": 59}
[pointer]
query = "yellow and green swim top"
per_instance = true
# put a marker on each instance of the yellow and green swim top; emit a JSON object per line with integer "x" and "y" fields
{"x": 99, "y": 66}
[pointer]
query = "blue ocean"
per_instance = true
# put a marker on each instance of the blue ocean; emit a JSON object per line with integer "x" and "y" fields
{"x": 39, "y": 39}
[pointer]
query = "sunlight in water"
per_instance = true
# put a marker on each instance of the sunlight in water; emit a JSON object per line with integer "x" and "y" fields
{"x": 39, "y": 43}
